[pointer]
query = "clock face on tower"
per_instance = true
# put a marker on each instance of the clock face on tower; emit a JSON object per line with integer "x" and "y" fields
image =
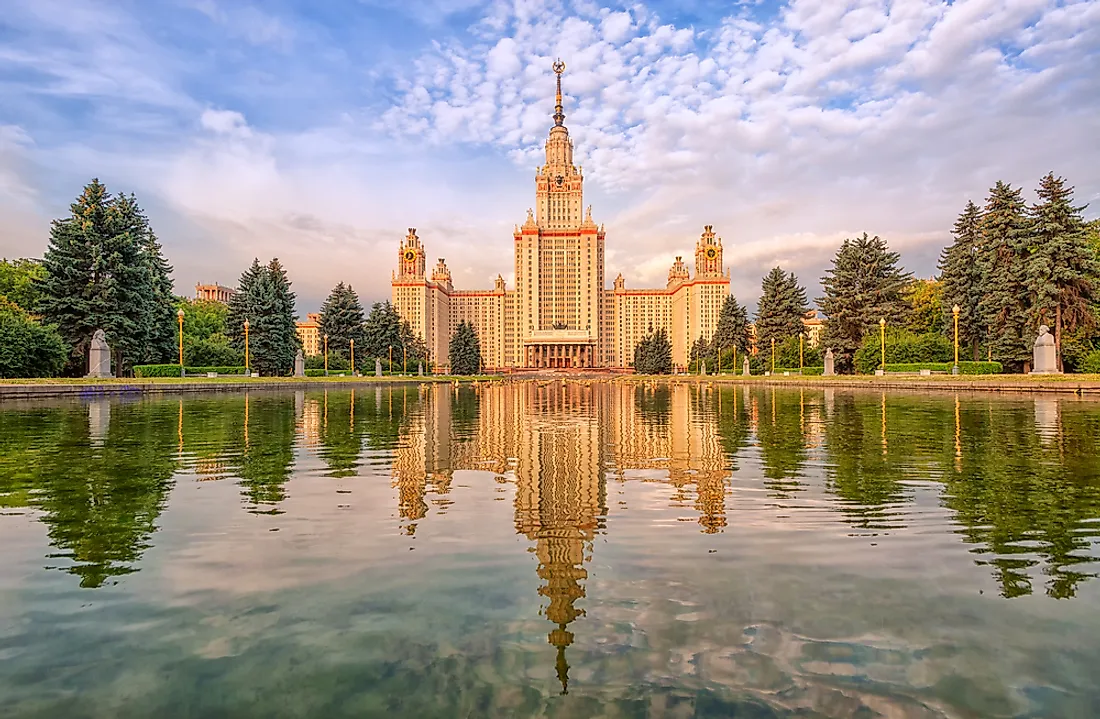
{"x": 410, "y": 255}
{"x": 711, "y": 253}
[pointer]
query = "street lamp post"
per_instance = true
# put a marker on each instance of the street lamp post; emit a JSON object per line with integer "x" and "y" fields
{"x": 353, "y": 372}
{"x": 325, "y": 336}
{"x": 404, "y": 359}
{"x": 955, "y": 311}
{"x": 773, "y": 355}
{"x": 179, "y": 314}
{"x": 247, "y": 366}
{"x": 390, "y": 365}
{"x": 801, "y": 356}
{"x": 882, "y": 341}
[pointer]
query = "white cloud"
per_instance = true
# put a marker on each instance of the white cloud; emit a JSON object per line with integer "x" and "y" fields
{"x": 846, "y": 117}
{"x": 225, "y": 122}
{"x": 824, "y": 121}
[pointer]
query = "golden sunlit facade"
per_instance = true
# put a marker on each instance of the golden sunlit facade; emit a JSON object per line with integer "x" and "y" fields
{"x": 214, "y": 293}
{"x": 559, "y": 468}
{"x": 309, "y": 333}
{"x": 561, "y": 314}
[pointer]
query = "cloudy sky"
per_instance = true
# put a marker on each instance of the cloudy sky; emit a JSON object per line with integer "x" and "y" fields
{"x": 318, "y": 132}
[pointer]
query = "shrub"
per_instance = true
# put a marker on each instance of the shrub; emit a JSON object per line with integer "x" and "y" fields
{"x": 212, "y": 351}
{"x": 806, "y": 371}
{"x": 173, "y": 370}
{"x": 335, "y": 362}
{"x": 331, "y": 372}
{"x": 1091, "y": 363}
{"x": 27, "y": 348}
{"x": 786, "y": 354}
{"x": 945, "y": 367}
{"x": 902, "y": 347}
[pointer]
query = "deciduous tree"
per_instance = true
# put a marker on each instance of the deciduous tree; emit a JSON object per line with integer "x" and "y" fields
{"x": 27, "y": 348}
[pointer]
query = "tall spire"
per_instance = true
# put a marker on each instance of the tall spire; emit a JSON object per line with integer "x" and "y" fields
{"x": 559, "y": 114}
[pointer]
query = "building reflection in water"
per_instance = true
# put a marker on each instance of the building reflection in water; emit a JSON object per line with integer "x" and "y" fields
{"x": 557, "y": 441}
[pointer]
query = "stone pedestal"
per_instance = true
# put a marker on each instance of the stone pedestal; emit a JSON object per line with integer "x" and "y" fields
{"x": 829, "y": 368}
{"x": 299, "y": 365}
{"x": 377, "y": 367}
{"x": 420, "y": 369}
{"x": 745, "y": 368}
{"x": 702, "y": 367}
{"x": 99, "y": 357}
{"x": 1046, "y": 354}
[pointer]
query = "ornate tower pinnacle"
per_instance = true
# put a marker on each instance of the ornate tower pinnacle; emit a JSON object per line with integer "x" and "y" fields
{"x": 559, "y": 114}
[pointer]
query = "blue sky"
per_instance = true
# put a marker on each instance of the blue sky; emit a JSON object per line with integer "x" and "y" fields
{"x": 318, "y": 132}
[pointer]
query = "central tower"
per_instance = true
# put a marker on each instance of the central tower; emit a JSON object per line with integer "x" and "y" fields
{"x": 559, "y": 184}
{"x": 559, "y": 260}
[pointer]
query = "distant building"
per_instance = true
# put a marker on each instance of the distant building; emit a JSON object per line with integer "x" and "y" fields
{"x": 814, "y": 325}
{"x": 310, "y": 333}
{"x": 214, "y": 293}
{"x": 559, "y": 314}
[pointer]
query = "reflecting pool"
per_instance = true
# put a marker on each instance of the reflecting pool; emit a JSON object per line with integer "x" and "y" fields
{"x": 559, "y": 549}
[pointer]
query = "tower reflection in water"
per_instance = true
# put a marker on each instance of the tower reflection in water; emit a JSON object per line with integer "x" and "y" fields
{"x": 557, "y": 442}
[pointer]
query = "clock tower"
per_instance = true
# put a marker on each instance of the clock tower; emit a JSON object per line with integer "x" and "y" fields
{"x": 410, "y": 257}
{"x": 708, "y": 254}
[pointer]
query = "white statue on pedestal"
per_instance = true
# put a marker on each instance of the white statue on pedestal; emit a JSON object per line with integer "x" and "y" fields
{"x": 99, "y": 357}
{"x": 1046, "y": 353}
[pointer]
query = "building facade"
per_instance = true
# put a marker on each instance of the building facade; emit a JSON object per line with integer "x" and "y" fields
{"x": 561, "y": 313}
{"x": 214, "y": 293}
{"x": 310, "y": 334}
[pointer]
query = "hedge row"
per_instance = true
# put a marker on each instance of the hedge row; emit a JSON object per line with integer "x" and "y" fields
{"x": 964, "y": 367}
{"x": 806, "y": 371}
{"x": 173, "y": 370}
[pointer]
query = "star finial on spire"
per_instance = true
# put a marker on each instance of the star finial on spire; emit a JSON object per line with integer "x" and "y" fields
{"x": 559, "y": 114}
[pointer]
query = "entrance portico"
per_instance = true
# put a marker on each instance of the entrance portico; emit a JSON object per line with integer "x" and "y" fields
{"x": 560, "y": 356}
{"x": 560, "y": 349}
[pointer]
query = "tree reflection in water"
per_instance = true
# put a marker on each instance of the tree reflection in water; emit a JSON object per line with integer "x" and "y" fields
{"x": 1019, "y": 477}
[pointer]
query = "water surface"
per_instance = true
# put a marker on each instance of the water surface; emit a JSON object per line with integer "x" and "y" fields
{"x": 551, "y": 550}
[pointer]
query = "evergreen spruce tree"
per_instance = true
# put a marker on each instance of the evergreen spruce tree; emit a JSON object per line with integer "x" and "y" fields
{"x": 265, "y": 299}
{"x": 415, "y": 349}
{"x": 465, "y": 350}
{"x": 781, "y": 308}
{"x": 342, "y": 320}
{"x": 101, "y": 271}
{"x": 383, "y": 330}
{"x": 1062, "y": 270}
{"x": 961, "y": 279}
{"x": 653, "y": 354}
{"x": 863, "y": 286}
{"x": 158, "y": 333}
{"x": 240, "y": 304}
{"x": 1004, "y": 302}
{"x": 700, "y": 349}
{"x": 732, "y": 329}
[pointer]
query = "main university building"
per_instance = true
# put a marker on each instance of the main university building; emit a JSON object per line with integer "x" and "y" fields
{"x": 560, "y": 314}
